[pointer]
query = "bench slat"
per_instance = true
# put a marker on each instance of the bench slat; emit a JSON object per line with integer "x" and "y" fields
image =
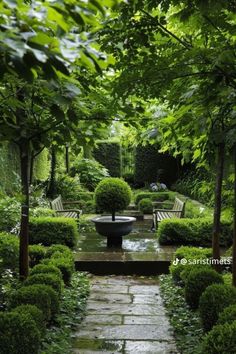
{"x": 176, "y": 212}
{"x": 57, "y": 205}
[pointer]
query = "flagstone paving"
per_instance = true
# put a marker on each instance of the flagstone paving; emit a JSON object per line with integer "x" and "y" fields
{"x": 125, "y": 314}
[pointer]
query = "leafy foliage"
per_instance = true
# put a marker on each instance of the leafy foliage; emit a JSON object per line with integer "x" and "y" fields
{"x": 90, "y": 172}
{"x": 213, "y": 301}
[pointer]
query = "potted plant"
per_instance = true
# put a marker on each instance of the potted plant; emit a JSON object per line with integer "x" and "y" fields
{"x": 112, "y": 195}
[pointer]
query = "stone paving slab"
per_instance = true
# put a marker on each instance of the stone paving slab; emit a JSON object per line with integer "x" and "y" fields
{"x": 124, "y": 315}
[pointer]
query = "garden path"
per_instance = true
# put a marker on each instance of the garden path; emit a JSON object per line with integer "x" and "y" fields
{"x": 125, "y": 314}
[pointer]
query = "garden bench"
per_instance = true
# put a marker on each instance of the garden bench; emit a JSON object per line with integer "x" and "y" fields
{"x": 176, "y": 212}
{"x": 58, "y": 206}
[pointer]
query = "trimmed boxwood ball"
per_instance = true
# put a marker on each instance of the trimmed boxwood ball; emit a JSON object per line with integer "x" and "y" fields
{"x": 35, "y": 313}
{"x": 42, "y": 296}
{"x": 220, "y": 340}
{"x": 112, "y": 195}
{"x": 145, "y": 206}
{"x": 65, "y": 265}
{"x": 197, "y": 281}
{"x": 62, "y": 249}
{"x": 18, "y": 334}
{"x": 213, "y": 301}
{"x": 43, "y": 268}
{"x": 228, "y": 315}
{"x": 48, "y": 279}
{"x": 36, "y": 254}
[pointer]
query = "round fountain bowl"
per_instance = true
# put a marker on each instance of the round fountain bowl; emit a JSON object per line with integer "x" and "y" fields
{"x": 120, "y": 227}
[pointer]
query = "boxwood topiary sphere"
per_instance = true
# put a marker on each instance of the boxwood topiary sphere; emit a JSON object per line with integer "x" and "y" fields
{"x": 145, "y": 206}
{"x": 197, "y": 281}
{"x": 112, "y": 194}
{"x": 214, "y": 300}
{"x": 228, "y": 315}
{"x": 221, "y": 339}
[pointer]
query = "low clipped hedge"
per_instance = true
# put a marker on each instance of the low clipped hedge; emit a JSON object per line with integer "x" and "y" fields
{"x": 48, "y": 231}
{"x": 220, "y": 340}
{"x": 154, "y": 196}
{"x": 62, "y": 249}
{"x": 42, "y": 296}
{"x": 9, "y": 251}
{"x": 35, "y": 313}
{"x": 18, "y": 334}
{"x": 195, "y": 232}
{"x": 51, "y": 279}
{"x": 197, "y": 281}
{"x": 213, "y": 301}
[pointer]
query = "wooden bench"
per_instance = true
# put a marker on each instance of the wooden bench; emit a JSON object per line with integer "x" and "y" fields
{"x": 58, "y": 206}
{"x": 176, "y": 212}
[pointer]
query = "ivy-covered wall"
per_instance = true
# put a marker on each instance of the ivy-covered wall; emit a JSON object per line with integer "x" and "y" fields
{"x": 9, "y": 168}
{"x": 108, "y": 153}
{"x": 152, "y": 166}
{"x": 42, "y": 166}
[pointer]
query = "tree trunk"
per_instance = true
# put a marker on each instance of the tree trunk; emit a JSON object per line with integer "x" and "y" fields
{"x": 234, "y": 231}
{"x": 217, "y": 208}
{"x": 24, "y": 227}
{"x": 51, "y": 192}
{"x": 113, "y": 216}
{"x": 67, "y": 160}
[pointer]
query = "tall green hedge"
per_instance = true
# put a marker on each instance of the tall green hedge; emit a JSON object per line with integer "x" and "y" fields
{"x": 152, "y": 166}
{"x": 108, "y": 153}
{"x": 9, "y": 168}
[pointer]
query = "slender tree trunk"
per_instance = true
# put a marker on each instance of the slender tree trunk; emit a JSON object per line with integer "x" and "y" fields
{"x": 51, "y": 188}
{"x": 217, "y": 208}
{"x": 234, "y": 231}
{"x": 67, "y": 159}
{"x": 24, "y": 227}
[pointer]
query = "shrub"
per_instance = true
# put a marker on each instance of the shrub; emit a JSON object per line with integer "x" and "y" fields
{"x": 228, "y": 315}
{"x": 49, "y": 231}
{"x": 36, "y": 254}
{"x": 145, "y": 206}
{"x": 108, "y": 153}
{"x": 48, "y": 279}
{"x": 90, "y": 172}
{"x": 48, "y": 269}
{"x": 112, "y": 194}
{"x": 221, "y": 339}
{"x": 62, "y": 249}
{"x": 214, "y": 299}
{"x": 69, "y": 187}
{"x": 197, "y": 281}
{"x": 18, "y": 334}
{"x": 193, "y": 255}
{"x": 65, "y": 265}
{"x": 35, "y": 313}
{"x": 227, "y": 277}
{"x": 40, "y": 211}
{"x": 42, "y": 296}
{"x": 9, "y": 251}
{"x": 192, "y": 232}
{"x": 154, "y": 196}
{"x": 9, "y": 213}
